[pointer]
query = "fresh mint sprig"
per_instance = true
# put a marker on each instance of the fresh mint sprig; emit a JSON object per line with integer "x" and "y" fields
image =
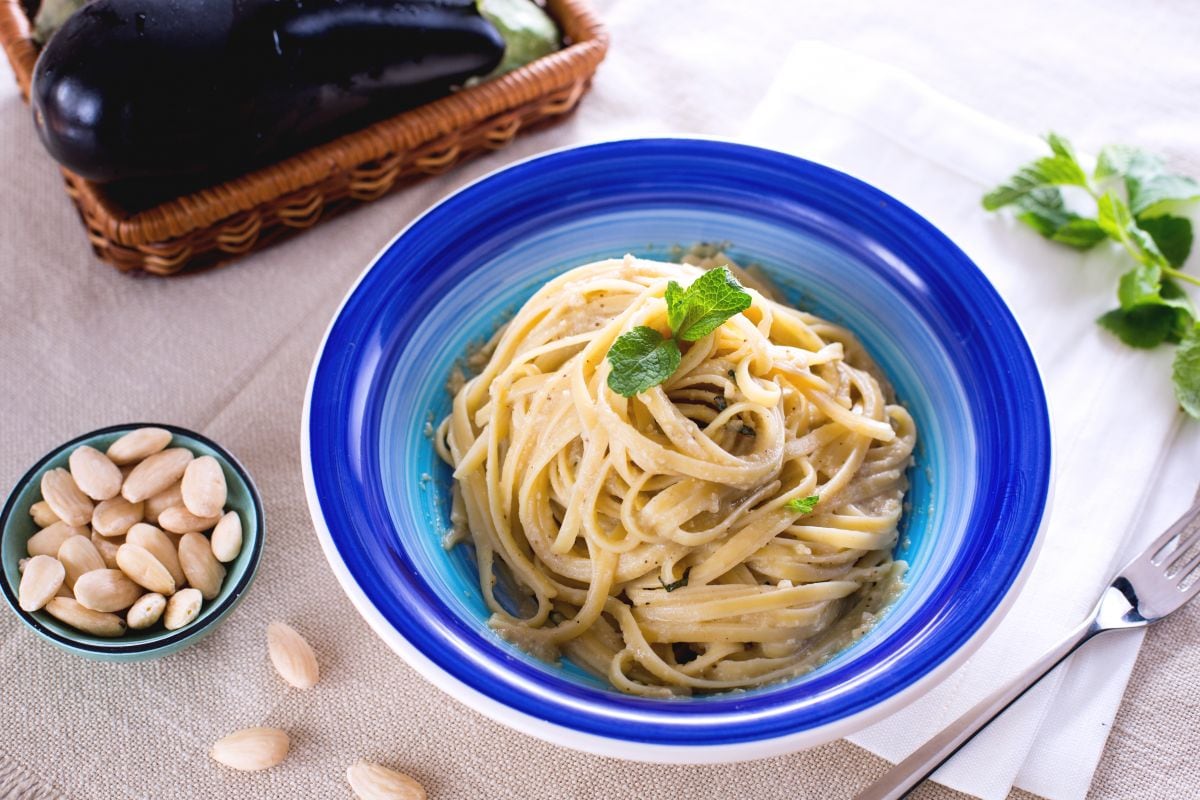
{"x": 1135, "y": 196}
{"x": 643, "y": 358}
{"x": 803, "y": 505}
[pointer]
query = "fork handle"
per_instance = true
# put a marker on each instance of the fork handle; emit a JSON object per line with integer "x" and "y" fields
{"x": 902, "y": 778}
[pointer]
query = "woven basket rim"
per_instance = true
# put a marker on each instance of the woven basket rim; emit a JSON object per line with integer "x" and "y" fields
{"x": 296, "y": 175}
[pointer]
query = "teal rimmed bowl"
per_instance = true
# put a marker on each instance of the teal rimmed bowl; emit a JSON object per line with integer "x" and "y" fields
{"x": 16, "y": 526}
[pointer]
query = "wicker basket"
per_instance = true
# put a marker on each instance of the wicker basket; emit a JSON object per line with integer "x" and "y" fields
{"x": 253, "y": 210}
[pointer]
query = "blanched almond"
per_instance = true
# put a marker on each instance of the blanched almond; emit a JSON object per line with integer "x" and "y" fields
{"x": 97, "y": 476}
{"x": 146, "y": 611}
{"x": 168, "y": 498}
{"x": 106, "y": 590}
{"x": 80, "y": 616}
{"x": 107, "y": 548}
{"x": 115, "y": 516}
{"x": 201, "y": 567}
{"x": 138, "y": 444}
{"x": 252, "y": 749}
{"x": 373, "y": 782}
{"x": 78, "y": 555}
{"x": 156, "y": 473}
{"x": 43, "y": 515}
{"x": 39, "y": 582}
{"x": 141, "y": 567}
{"x": 227, "y": 537}
{"x": 65, "y": 499}
{"x": 292, "y": 656}
{"x": 161, "y": 547}
{"x": 63, "y": 591}
{"x": 47, "y": 541}
{"x": 204, "y": 489}
{"x": 182, "y": 608}
{"x": 177, "y": 519}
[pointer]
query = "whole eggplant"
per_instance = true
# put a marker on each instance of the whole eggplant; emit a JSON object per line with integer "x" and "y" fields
{"x": 172, "y": 88}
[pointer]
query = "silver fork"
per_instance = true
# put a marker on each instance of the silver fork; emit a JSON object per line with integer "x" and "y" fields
{"x": 1152, "y": 585}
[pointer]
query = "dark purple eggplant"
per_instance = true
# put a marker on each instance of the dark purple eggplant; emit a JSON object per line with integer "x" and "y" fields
{"x": 195, "y": 88}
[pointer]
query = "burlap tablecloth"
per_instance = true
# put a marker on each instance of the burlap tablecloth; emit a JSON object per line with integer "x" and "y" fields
{"x": 227, "y": 352}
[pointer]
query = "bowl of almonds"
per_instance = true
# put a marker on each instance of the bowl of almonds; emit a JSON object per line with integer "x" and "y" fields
{"x": 130, "y": 542}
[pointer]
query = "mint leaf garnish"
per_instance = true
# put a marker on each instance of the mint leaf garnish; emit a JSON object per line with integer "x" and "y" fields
{"x": 676, "y": 305}
{"x": 702, "y": 308}
{"x": 641, "y": 358}
{"x": 1186, "y": 372}
{"x": 803, "y": 505}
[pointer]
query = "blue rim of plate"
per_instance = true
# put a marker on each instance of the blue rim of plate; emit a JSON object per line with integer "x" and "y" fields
{"x": 349, "y": 379}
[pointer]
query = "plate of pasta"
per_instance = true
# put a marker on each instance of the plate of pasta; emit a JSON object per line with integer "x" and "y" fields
{"x": 677, "y": 450}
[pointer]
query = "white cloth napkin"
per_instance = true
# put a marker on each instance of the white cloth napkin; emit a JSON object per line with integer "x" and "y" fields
{"x": 1124, "y": 454}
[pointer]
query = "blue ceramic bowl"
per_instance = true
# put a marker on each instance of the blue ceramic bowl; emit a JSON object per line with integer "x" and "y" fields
{"x": 836, "y": 246}
{"x": 16, "y": 526}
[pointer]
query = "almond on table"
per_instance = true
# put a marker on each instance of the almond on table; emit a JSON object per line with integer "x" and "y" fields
{"x": 252, "y": 749}
{"x": 292, "y": 655}
{"x": 374, "y": 782}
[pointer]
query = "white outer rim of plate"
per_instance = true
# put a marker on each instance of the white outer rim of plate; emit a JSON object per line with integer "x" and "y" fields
{"x": 631, "y": 750}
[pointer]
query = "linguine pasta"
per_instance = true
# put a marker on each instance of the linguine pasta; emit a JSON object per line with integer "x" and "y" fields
{"x": 654, "y": 540}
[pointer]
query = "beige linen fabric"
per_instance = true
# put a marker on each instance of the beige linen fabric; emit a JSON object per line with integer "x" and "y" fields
{"x": 227, "y": 352}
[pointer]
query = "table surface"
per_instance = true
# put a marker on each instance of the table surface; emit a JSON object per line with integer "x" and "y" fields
{"x": 227, "y": 352}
